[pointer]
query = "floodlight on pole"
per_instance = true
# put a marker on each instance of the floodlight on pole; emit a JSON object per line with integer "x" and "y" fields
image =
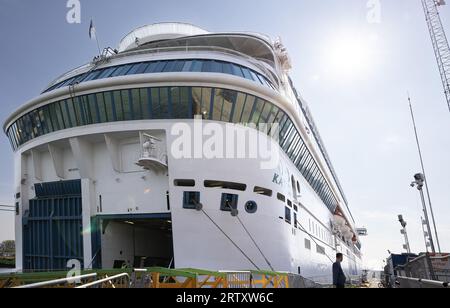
{"x": 419, "y": 182}
{"x": 403, "y": 231}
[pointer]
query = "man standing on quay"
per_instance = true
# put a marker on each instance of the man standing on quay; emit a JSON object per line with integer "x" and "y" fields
{"x": 339, "y": 278}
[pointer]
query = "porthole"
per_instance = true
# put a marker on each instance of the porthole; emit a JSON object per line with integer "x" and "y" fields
{"x": 251, "y": 207}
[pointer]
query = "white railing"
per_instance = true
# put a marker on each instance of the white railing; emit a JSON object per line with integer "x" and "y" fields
{"x": 272, "y": 75}
{"x": 121, "y": 279}
{"x": 239, "y": 279}
{"x": 255, "y": 61}
{"x": 71, "y": 280}
{"x": 152, "y": 148}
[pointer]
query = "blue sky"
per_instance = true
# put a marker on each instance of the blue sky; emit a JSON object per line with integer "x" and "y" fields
{"x": 359, "y": 102}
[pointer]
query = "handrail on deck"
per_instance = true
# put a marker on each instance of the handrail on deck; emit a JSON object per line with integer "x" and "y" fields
{"x": 70, "y": 280}
{"x": 425, "y": 282}
{"x": 84, "y": 68}
{"x": 107, "y": 279}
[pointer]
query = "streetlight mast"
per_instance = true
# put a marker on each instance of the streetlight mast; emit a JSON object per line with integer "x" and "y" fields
{"x": 404, "y": 233}
{"x": 424, "y": 176}
{"x": 419, "y": 182}
{"x": 425, "y": 233}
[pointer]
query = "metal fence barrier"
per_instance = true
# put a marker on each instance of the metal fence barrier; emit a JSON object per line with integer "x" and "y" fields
{"x": 270, "y": 280}
{"x": 424, "y": 267}
{"x": 238, "y": 279}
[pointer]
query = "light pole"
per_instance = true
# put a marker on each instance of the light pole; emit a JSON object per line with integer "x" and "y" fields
{"x": 419, "y": 182}
{"x": 424, "y": 182}
{"x": 425, "y": 233}
{"x": 404, "y": 233}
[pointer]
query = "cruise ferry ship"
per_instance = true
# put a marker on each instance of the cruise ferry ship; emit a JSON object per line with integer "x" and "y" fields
{"x": 104, "y": 179}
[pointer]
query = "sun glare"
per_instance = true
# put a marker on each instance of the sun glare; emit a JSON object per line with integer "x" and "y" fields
{"x": 348, "y": 56}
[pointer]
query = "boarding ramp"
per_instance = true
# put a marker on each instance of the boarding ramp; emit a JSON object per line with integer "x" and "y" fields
{"x": 43, "y": 280}
{"x": 158, "y": 278}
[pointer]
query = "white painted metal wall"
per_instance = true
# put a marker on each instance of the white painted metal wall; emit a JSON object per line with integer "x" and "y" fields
{"x": 197, "y": 242}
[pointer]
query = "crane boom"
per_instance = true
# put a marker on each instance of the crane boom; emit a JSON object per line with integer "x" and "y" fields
{"x": 440, "y": 42}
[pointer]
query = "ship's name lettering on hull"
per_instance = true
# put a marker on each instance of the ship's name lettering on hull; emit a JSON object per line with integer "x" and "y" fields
{"x": 277, "y": 179}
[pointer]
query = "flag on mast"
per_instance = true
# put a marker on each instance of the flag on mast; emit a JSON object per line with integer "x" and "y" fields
{"x": 92, "y": 32}
{"x": 93, "y": 35}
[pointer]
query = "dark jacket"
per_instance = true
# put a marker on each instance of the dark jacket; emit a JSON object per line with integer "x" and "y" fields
{"x": 339, "y": 278}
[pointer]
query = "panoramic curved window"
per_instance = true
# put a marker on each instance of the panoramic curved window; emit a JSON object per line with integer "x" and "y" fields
{"x": 214, "y": 104}
{"x": 166, "y": 66}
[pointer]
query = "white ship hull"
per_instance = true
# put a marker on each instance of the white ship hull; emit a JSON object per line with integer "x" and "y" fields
{"x": 91, "y": 193}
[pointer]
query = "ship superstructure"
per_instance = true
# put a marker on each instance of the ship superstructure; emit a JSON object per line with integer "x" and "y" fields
{"x": 99, "y": 178}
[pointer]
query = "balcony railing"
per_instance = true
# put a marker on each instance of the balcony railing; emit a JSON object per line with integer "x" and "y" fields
{"x": 153, "y": 155}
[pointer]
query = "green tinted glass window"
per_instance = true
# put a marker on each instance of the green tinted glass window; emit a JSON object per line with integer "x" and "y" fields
{"x": 180, "y": 102}
{"x": 176, "y": 102}
{"x": 257, "y": 111}
{"x": 145, "y": 103}
{"x": 229, "y": 99}
{"x": 201, "y": 98}
{"x": 45, "y": 121}
{"x": 102, "y": 113}
{"x": 71, "y": 112}
{"x": 239, "y": 107}
{"x": 127, "y": 107}
{"x": 93, "y": 108}
{"x": 197, "y": 101}
{"x": 118, "y": 105}
{"x": 156, "y": 104}
{"x": 248, "y": 108}
{"x": 136, "y": 104}
{"x": 222, "y": 105}
{"x": 52, "y": 113}
{"x": 164, "y": 102}
{"x": 217, "y": 105}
